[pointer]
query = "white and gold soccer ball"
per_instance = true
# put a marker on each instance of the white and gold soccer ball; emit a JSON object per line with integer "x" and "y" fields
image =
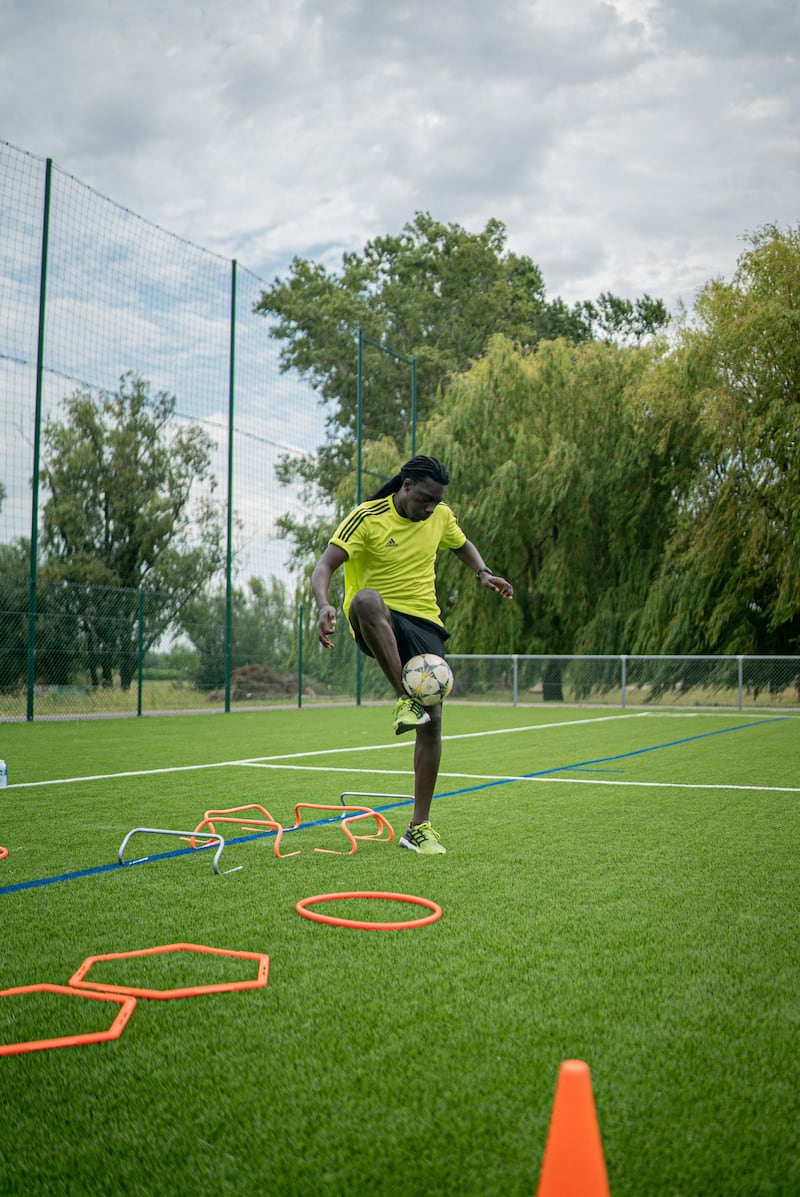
{"x": 427, "y": 678}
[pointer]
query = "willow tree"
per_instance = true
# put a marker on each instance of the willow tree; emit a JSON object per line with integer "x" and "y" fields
{"x": 435, "y": 292}
{"x": 730, "y": 580}
{"x": 566, "y": 492}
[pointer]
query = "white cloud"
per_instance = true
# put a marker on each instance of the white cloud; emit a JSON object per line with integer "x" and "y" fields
{"x": 626, "y": 144}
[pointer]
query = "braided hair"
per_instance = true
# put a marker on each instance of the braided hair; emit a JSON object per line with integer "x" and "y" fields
{"x": 416, "y": 469}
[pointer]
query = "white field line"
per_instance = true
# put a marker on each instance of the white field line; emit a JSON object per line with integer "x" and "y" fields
{"x": 509, "y": 777}
{"x": 290, "y": 756}
{"x": 277, "y": 760}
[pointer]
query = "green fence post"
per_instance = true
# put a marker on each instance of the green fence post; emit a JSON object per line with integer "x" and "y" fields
{"x": 229, "y": 552}
{"x": 359, "y": 412}
{"x": 359, "y": 452}
{"x": 408, "y": 361}
{"x": 414, "y": 406}
{"x": 140, "y": 654}
{"x": 300, "y": 655}
{"x": 37, "y": 435}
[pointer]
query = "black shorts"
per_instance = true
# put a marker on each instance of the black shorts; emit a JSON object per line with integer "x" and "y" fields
{"x": 413, "y": 636}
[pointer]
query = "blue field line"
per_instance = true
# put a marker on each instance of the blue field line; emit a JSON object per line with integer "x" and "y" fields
{"x": 487, "y": 785}
{"x": 602, "y": 760}
{"x": 115, "y": 866}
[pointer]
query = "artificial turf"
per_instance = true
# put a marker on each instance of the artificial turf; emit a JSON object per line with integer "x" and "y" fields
{"x": 634, "y": 906}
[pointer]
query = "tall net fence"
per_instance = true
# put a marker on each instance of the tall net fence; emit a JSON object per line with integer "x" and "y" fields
{"x": 91, "y": 294}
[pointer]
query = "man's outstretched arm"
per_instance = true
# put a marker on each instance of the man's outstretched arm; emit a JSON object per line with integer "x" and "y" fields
{"x": 474, "y": 561}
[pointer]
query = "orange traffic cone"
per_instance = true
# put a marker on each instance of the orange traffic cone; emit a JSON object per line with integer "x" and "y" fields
{"x": 573, "y": 1164}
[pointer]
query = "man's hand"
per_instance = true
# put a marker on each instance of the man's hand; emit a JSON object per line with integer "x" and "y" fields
{"x": 494, "y": 582}
{"x": 327, "y": 625}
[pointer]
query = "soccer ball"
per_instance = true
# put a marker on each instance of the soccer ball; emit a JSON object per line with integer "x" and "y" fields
{"x": 427, "y": 678}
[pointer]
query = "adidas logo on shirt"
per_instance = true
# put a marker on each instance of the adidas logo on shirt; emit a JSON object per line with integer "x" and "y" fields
{"x": 391, "y": 543}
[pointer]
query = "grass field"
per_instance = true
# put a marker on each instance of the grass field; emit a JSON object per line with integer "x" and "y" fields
{"x": 620, "y": 888}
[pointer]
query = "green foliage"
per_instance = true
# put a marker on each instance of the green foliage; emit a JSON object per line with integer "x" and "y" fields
{"x": 730, "y": 580}
{"x": 130, "y": 505}
{"x": 14, "y": 568}
{"x": 176, "y": 663}
{"x": 551, "y": 478}
{"x": 623, "y": 321}
{"x": 435, "y": 292}
{"x": 60, "y": 644}
{"x": 122, "y": 476}
{"x": 262, "y": 630}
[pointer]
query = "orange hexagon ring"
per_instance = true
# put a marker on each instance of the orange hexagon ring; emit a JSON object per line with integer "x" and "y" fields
{"x": 257, "y": 982}
{"x": 127, "y": 1006}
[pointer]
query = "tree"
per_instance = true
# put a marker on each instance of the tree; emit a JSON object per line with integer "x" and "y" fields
{"x": 58, "y": 628}
{"x": 130, "y": 506}
{"x": 262, "y": 625}
{"x": 435, "y": 292}
{"x": 623, "y": 321}
{"x": 730, "y": 579}
{"x": 14, "y": 566}
{"x": 551, "y": 475}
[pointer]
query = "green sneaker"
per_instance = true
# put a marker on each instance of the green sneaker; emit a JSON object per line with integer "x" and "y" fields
{"x": 408, "y": 714}
{"x": 422, "y": 838}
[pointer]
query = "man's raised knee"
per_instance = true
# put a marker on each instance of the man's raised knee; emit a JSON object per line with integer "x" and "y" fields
{"x": 367, "y": 605}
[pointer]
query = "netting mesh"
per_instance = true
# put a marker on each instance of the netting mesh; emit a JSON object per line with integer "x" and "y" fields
{"x": 21, "y": 194}
{"x": 119, "y": 297}
{"x": 124, "y": 297}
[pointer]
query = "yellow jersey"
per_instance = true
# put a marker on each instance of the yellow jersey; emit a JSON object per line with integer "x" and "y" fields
{"x": 396, "y": 556}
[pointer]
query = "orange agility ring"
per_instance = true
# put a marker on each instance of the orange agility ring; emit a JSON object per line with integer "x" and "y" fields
{"x": 3, "y": 853}
{"x": 304, "y": 903}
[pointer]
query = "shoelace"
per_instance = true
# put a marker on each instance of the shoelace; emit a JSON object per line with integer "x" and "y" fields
{"x": 424, "y": 830}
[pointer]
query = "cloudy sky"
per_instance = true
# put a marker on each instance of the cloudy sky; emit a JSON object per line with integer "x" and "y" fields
{"x": 627, "y": 145}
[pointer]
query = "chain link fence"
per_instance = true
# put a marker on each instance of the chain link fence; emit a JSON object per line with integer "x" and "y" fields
{"x": 99, "y": 654}
{"x": 629, "y": 681}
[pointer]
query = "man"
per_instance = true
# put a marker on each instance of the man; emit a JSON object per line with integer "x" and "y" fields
{"x": 388, "y": 547}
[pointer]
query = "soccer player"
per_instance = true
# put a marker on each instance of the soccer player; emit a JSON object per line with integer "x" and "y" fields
{"x": 388, "y": 547}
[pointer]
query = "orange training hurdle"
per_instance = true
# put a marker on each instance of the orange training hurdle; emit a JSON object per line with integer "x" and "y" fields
{"x": 211, "y": 817}
{"x": 238, "y": 814}
{"x": 362, "y": 812}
